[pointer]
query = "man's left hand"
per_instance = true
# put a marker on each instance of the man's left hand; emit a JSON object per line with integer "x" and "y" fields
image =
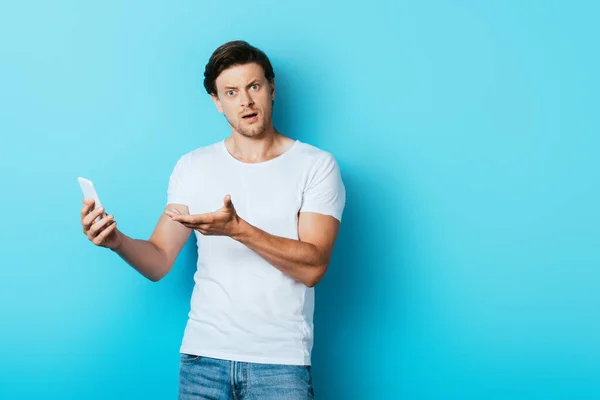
{"x": 223, "y": 222}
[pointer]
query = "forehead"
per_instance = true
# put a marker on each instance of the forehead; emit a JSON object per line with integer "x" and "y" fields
{"x": 240, "y": 74}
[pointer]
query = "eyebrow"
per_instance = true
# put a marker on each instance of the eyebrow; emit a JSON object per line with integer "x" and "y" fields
{"x": 253, "y": 82}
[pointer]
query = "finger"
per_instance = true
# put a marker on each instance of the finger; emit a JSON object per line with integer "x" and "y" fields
{"x": 174, "y": 217}
{"x": 93, "y": 211}
{"x": 87, "y": 206}
{"x": 198, "y": 227}
{"x": 173, "y": 213}
{"x": 195, "y": 226}
{"x": 202, "y": 229}
{"x": 188, "y": 225}
{"x": 98, "y": 240}
{"x": 97, "y": 227}
{"x": 91, "y": 217}
{"x": 228, "y": 202}
{"x": 194, "y": 219}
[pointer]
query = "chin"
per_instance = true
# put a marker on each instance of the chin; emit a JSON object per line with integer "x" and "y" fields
{"x": 251, "y": 132}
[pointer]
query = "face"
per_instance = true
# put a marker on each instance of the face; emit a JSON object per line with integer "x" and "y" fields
{"x": 245, "y": 97}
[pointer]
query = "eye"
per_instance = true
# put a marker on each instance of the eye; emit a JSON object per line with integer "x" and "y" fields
{"x": 254, "y": 87}
{"x": 230, "y": 92}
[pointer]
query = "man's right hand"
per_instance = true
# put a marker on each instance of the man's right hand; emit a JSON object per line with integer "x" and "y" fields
{"x": 103, "y": 233}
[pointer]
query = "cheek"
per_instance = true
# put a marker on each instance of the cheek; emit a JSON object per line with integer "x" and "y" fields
{"x": 229, "y": 113}
{"x": 228, "y": 105}
{"x": 265, "y": 103}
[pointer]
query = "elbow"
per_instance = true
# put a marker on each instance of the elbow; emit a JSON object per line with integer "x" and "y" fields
{"x": 315, "y": 277}
{"x": 311, "y": 283}
{"x": 158, "y": 275}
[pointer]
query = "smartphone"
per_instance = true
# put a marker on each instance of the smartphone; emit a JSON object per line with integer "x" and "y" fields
{"x": 89, "y": 192}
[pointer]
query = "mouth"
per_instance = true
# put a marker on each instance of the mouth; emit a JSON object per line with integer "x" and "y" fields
{"x": 250, "y": 117}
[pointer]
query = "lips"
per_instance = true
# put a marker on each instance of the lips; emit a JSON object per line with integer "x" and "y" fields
{"x": 249, "y": 115}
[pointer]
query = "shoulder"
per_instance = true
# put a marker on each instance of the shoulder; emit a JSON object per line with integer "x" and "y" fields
{"x": 318, "y": 166}
{"x": 198, "y": 155}
{"x": 315, "y": 156}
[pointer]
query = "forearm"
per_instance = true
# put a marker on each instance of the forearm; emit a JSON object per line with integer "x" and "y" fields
{"x": 143, "y": 256}
{"x": 299, "y": 260}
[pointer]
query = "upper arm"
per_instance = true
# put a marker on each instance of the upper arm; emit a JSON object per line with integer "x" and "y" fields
{"x": 323, "y": 202}
{"x": 319, "y": 230}
{"x": 170, "y": 236}
{"x": 324, "y": 192}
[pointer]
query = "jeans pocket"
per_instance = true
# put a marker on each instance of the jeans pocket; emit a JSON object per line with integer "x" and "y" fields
{"x": 188, "y": 358}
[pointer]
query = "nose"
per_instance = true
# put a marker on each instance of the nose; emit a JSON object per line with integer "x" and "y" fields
{"x": 246, "y": 99}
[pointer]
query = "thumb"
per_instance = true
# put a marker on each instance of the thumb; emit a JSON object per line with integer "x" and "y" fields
{"x": 228, "y": 202}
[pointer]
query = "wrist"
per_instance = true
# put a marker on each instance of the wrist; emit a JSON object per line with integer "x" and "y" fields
{"x": 241, "y": 229}
{"x": 118, "y": 242}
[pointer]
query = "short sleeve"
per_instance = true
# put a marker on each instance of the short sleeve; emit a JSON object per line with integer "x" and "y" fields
{"x": 325, "y": 192}
{"x": 176, "y": 191}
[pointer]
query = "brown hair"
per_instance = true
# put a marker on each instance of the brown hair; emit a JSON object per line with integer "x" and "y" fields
{"x": 237, "y": 52}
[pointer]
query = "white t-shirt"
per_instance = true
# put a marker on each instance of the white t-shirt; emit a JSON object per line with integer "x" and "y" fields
{"x": 242, "y": 307}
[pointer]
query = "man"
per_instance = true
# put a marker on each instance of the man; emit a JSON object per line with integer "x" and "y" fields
{"x": 279, "y": 204}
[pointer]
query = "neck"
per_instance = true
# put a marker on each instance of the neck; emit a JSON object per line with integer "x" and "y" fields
{"x": 268, "y": 145}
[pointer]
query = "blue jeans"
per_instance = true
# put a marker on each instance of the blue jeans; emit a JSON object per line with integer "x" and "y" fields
{"x": 210, "y": 378}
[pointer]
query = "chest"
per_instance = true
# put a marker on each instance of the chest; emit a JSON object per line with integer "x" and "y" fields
{"x": 267, "y": 199}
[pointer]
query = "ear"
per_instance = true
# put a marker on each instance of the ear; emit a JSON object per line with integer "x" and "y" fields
{"x": 272, "y": 87}
{"x": 217, "y": 102}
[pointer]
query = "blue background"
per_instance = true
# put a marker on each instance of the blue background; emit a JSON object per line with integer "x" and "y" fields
{"x": 467, "y": 266}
